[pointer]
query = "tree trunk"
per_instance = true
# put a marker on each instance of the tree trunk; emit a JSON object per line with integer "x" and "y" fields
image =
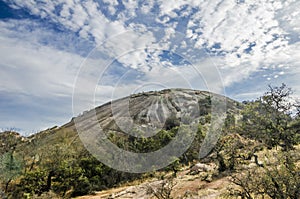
{"x": 49, "y": 180}
{"x": 222, "y": 165}
{"x": 6, "y": 185}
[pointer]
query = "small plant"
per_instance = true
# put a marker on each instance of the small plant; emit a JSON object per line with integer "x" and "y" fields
{"x": 164, "y": 190}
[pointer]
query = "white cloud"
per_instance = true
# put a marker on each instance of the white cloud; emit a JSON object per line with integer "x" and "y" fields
{"x": 245, "y": 38}
{"x": 288, "y": 16}
{"x": 251, "y": 35}
{"x": 112, "y": 5}
{"x": 130, "y": 8}
{"x": 36, "y": 70}
{"x": 147, "y": 6}
{"x": 84, "y": 17}
{"x": 36, "y": 81}
{"x": 168, "y": 7}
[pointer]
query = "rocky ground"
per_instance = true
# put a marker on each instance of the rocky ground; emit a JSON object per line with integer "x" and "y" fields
{"x": 191, "y": 182}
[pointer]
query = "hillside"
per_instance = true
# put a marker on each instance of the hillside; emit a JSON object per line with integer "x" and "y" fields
{"x": 143, "y": 113}
{"x": 133, "y": 137}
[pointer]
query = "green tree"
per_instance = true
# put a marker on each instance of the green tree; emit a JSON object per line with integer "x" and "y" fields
{"x": 232, "y": 150}
{"x": 32, "y": 182}
{"x": 10, "y": 168}
{"x": 269, "y": 118}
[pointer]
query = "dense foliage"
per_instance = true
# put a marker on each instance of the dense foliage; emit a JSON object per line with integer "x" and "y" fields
{"x": 272, "y": 119}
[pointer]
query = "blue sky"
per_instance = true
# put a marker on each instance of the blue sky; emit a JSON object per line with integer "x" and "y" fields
{"x": 64, "y": 53}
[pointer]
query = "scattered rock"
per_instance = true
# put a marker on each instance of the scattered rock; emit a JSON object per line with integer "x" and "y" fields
{"x": 200, "y": 167}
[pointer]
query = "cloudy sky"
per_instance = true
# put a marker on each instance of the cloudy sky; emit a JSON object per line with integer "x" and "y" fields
{"x": 61, "y": 57}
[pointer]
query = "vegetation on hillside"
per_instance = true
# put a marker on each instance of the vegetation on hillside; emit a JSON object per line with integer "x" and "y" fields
{"x": 61, "y": 166}
{"x": 272, "y": 120}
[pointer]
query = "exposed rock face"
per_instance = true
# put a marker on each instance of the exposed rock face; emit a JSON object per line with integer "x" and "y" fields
{"x": 152, "y": 111}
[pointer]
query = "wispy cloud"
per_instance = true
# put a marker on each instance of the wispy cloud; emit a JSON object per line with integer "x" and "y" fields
{"x": 36, "y": 80}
